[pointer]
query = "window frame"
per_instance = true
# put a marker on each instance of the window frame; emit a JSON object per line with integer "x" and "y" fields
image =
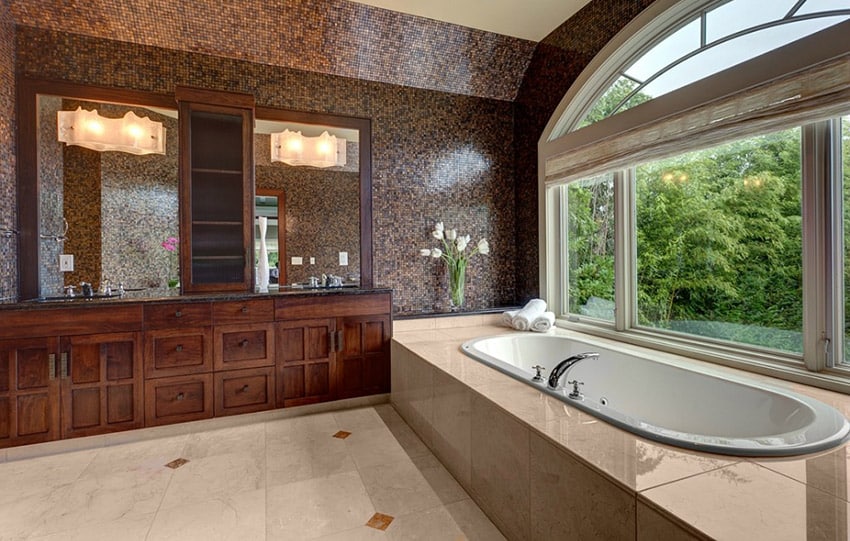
{"x": 822, "y": 213}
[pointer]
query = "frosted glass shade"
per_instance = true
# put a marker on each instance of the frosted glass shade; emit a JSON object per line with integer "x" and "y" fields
{"x": 133, "y": 134}
{"x": 292, "y": 148}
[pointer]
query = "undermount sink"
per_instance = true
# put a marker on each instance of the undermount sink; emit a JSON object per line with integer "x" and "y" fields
{"x": 80, "y": 297}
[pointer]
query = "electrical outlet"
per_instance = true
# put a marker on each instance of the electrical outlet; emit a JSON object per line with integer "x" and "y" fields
{"x": 66, "y": 263}
{"x": 312, "y": 260}
{"x": 343, "y": 259}
{"x": 297, "y": 260}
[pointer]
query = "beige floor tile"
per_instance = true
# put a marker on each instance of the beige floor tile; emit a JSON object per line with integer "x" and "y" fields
{"x": 429, "y": 525}
{"x": 237, "y": 516}
{"x": 215, "y": 477}
{"x": 398, "y": 488}
{"x": 354, "y": 420}
{"x": 362, "y": 533}
{"x": 317, "y": 507}
{"x": 148, "y": 455}
{"x": 240, "y": 439}
{"x": 473, "y": 522}
{"x": 446, "y": 487}
{"x": 309, "y": 459}
{"x": 24, "y": 477}
{"x": 125, "y": 529}
{"x": 300, "y": 429}
{"x": 97, "y": 500}
{"x": 20, "y": 517}
{"x": 374, "y": 447}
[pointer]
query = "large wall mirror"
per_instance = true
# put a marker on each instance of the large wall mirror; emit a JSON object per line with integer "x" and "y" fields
{"x": 121, "y": 207}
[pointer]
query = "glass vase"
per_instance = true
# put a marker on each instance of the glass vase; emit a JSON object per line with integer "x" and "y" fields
{"x": 457, "y": 282}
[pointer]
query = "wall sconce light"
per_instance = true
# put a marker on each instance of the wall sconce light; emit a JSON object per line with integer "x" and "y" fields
{"x": 292, "y": 148}
{"x": 131, "y": 133}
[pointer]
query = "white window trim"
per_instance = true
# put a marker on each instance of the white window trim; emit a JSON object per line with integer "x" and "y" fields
{"x": 820, "y": 281}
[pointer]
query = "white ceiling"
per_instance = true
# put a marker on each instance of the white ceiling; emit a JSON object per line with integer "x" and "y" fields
{"x": 528, "y": 19}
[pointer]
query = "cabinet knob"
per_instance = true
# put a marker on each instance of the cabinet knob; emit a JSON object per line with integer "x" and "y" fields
{"x": 244, "y": 309}
{"x": 245, "y": 388}
{"x": 244, "y": 343}
{"x": 178, "y": 313}
{"x": 179, "y": 348}
{"x": 180, "y": 396}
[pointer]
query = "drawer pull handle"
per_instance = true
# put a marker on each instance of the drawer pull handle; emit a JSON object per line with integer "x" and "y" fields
{"x": 243, "y": 343}
{"x": 245, "y": 388}
{"x": 179, "y": 348}
{"x": 180, "y": 396}
{"x": 178, "y": 313}
{"x": 244, "y": 309}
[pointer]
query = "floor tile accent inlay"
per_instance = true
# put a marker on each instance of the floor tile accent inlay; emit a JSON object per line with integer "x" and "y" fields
{"x": 176, "y": 463}
{"x": 380, "y": 521}
{"x": 342, "y": 434}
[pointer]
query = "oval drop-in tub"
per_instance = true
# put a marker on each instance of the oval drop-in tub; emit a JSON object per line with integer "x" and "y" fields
{"x": 668, "y": 403}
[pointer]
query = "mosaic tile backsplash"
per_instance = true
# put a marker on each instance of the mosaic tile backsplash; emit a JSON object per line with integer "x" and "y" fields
{"x": 8, "y": 213}
{"x": 333, "y": 37}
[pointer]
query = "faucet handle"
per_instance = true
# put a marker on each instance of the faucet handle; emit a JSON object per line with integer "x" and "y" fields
{"x": 575, "y": 394}
{"x": 69, "y": 291}
{"x": 537, "y": 376}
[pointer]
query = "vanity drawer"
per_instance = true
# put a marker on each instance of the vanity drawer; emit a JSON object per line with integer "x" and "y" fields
{"x": 178, "y": 352}
{"x": 256, "y": 311}
{"x": 168, "y": 316}
{"x": 244, "y": 346}
{"x": 244, "y": 391}
{"x": 178, "y": 399}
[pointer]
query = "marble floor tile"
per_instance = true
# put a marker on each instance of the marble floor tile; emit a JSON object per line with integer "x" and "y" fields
{"x": 125, "y": 529}
{"x": 398, "y": 488}
{"x": 235, "y": 516}
{"x": 317, "y": 507}
{"x": 215, "y": 477}
{"x": 279, "y": 479}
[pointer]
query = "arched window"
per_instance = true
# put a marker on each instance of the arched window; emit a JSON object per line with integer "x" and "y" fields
{"x": 694, "y": 191}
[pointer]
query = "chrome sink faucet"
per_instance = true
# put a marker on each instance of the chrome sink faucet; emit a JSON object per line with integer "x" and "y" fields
{"x": 562, "y": 367}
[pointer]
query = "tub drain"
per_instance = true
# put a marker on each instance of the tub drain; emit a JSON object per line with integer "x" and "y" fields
{"x": 603, "y": 401}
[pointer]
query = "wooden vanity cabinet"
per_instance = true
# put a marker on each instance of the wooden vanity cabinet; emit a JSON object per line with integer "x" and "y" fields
{"x": 178, "y": 362}
{"x": 216, "y": 190}
{"x": 29, "y": 391}
{"x": 326, "y": 358}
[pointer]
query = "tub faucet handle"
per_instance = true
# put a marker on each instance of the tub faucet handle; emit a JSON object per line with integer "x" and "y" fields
{"x": 537, "y": 376}
{"x": 575, "y": 394}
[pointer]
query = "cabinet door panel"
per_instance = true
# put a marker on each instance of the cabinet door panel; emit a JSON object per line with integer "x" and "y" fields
{"x": 363, "y": 363}
{"x": 104, "y": 388}
{"x": 29, "y": 391}
{"x": 304, "y": 361}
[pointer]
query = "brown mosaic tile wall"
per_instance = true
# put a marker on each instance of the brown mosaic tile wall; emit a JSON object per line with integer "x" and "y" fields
{"x": 81, "y": 207}
{"x": 50, "y": 171}
{"x": 436, "y": 156}
{"x": 556, "y": 63}
{"x": 8, "y": 213}
{"x": 334, "y": 37}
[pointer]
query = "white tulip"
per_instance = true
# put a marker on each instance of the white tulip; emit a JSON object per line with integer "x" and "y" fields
{"x": 462, "y": 241}
{"x": 436, "y": 252}
{"x": 438, "y": 234}
{"x": 451, "y": 234}
{"x": 438, "y": 226}
{"x": 425, "y": 252}
{"x": 483, "y": 247}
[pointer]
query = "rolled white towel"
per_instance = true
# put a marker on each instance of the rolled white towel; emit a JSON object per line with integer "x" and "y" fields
{"x": 508, "y": 316}
{"x": 534, "y": 307}
{"x": 543, "y": 322}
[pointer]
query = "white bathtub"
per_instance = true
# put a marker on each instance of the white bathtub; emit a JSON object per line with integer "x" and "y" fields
{"x": 668, "y": 403}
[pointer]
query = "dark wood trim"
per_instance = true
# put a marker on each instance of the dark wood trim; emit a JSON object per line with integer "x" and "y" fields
{"x": 27, "y": 159}
{"x": 364, "y": 126}
{"x": 281, "y": 227}
{"x": 214, "y": 97}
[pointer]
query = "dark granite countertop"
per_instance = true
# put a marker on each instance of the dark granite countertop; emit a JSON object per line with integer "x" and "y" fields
{"x": 154, "y": 296}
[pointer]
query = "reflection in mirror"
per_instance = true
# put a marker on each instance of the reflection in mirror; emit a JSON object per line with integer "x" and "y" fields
{"x": 121, "y": 208}
{"x": 272, "y": 205}
{"x": 322, "y": 218}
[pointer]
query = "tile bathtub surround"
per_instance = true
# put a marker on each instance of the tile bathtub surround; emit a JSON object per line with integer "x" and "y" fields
{"x": 436, "y": 156}
{"x": 608, "y": 483}
{"x": 255, "y": 481}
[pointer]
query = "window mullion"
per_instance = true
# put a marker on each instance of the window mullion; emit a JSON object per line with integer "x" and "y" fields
{"x": 835, "y": 223}
{"x": 625, "y": 279}
{"x": 817, "y": 260}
